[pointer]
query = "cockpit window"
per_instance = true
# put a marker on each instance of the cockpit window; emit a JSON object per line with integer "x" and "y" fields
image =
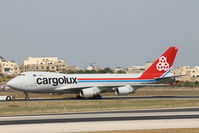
{"x": 21, "y": 74}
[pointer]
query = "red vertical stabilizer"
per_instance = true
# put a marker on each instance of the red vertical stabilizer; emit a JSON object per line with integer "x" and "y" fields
{"x": 161, "y": 65}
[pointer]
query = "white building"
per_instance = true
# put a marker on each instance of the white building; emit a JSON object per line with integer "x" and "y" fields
{"x": 190, "y": 73}
{"x": 46, "y": 64}
{"x": 92, "y": 67}
{"x": 135, "y": 69}
{"x": 42, "y": 61}
{"x": 7, "y": 67}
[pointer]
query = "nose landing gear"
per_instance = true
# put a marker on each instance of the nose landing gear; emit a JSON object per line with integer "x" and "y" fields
{"x": 26, "y": 96}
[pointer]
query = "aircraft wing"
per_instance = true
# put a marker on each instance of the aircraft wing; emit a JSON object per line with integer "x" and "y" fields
{"x": 103, "y": 88}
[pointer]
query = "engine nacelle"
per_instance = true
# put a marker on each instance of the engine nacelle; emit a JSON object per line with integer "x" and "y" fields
{"x": 89, "y": 92}
{"x": 125, "y": 90}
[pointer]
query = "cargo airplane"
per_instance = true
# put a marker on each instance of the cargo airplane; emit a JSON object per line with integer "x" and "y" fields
{"x": 91, "y": 85}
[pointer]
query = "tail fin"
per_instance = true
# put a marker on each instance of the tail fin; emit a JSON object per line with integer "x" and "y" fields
{"x": 161, "y": 65}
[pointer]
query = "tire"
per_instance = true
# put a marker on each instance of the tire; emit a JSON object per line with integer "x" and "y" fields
{"x": 96, "y": 97}
{"x": 8, "y": 98}
{"x": 26, "y": 98}
{"x": 79, "y": 97}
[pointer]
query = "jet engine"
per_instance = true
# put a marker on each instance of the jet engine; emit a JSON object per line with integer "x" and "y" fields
{"x": 125, "y": 90}
{"x": 89, "y": 92}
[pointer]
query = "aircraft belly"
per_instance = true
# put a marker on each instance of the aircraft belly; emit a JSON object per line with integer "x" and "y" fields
{"x": 41, "y": 88}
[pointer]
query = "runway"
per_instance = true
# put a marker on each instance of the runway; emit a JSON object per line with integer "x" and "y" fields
{"x": 155, "y": 114}
{"x": 169, "y": 118}
{"x": 109, "y": 98}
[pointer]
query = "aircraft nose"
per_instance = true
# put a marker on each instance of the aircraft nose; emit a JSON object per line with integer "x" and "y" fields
{"x": 12, "y": 83}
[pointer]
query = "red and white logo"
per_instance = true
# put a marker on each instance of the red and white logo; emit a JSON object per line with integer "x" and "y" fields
{"x": 162, "y": 64}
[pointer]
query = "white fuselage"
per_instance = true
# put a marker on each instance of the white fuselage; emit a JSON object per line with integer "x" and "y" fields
{"x": 56, "y": 82}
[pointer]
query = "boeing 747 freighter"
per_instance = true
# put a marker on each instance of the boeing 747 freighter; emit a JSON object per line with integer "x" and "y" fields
{"x": 91, "y": 85}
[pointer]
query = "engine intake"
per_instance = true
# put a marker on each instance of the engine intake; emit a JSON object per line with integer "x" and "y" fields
{"x": 89, "y": 92}
{"x": 125, "y": 90}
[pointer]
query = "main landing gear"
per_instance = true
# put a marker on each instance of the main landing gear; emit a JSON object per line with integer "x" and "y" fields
{"x": 98, "y": 96}
{"x": 26, "y": 96}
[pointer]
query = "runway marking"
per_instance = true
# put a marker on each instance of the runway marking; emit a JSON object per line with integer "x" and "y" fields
{"x": 154, "y": 114}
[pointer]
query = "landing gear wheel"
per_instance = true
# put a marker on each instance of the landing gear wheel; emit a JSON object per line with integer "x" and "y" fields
{"x": 26, "y": 96}
{"x": 97, "y": 97}
{"x": 8, "y": 98}
{"x": 79, "y": 97}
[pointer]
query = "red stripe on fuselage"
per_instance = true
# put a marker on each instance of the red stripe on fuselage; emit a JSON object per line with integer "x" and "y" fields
{"x": 107, "y": 78}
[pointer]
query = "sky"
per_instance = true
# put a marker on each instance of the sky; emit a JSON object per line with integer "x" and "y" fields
{"x": 110, "y": 33}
